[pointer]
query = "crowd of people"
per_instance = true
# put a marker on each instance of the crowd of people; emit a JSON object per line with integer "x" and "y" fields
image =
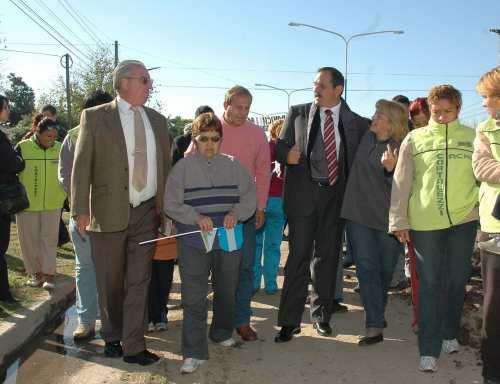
{"x": 413, "y": 176}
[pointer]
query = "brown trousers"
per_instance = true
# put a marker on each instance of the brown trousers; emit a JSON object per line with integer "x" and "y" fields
{"x": 123, "y": 273}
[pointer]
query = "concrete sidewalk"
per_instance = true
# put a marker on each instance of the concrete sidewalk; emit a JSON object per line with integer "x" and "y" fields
{"x": 19, "y": 329}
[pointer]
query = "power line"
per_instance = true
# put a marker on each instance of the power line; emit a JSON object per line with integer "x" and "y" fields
{"x": 33, "y": 53}
{"x": 220, "y": 69}
{"x": 45, "y": 29}
{"x": 269, "y": 90}
{"x": 180, "y": 64}
{"x": 54, "y": 30}
{"x": 48, "y": 44}
{"x": 74, "y": 14}
{"x": 61, "y": 22}
{"x": 191, "y": 68}
{"x": 89, "y": 22}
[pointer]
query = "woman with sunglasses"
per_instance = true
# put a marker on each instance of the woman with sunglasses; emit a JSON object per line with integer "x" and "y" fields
{"x": 207, "y": 190}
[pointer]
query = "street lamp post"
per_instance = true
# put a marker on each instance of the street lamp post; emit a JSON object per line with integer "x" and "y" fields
{"x": 288, "y": 92}
{"x": 346, "y": 42}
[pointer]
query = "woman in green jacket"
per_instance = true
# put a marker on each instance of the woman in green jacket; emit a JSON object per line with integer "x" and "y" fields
{"x": 433, "y": 204}
{"x": 38, "y": 225}
{"x": 486, "y": 165}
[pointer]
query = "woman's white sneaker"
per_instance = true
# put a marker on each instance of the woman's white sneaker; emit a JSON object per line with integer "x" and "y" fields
{"x": 161, "y": 326}
{"x": 191, "y": 364}
{"x": 428, "y": 364}
{"x": 450, "y": 346}
{"x": 228, "y": 343}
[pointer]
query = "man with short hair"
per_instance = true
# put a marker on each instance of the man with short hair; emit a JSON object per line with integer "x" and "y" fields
{"x": 121, "y": 164}
{"x": 318, "y": 143}
{"x": 86, "y": 289}
{"x": 246, "y": 142}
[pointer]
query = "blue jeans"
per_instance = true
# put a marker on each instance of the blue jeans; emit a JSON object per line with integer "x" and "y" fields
{"x": 243, "y": 311}
{"x": 269, "y": 236}
{"x": 375, "y": 254}
{"x": 86, "y": 286}
{"x": 443, "y": 268}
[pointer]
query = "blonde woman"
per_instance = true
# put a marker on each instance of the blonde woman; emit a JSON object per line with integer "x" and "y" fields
{"x": 486, "y": 165}
{"x": 366, "y": 209}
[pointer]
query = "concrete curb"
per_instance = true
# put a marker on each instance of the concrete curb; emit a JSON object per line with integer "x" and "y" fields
{"x": 19, "y": 329}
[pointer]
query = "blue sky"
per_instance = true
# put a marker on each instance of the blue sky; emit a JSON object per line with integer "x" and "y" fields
{"x": 221, "y": 43}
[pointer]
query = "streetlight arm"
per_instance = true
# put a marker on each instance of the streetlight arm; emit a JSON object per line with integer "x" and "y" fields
{"x": 294, "y": 24}
{"x": 396, "y": 32}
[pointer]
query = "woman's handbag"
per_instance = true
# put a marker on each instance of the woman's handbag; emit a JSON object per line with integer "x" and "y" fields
{"x": 13, "y": 198}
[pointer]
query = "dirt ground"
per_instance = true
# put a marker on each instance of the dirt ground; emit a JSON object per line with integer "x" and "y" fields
{"x": 308, "y": 358}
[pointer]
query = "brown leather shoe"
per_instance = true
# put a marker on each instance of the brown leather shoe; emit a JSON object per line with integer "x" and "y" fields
{"x": 247, "y": 333}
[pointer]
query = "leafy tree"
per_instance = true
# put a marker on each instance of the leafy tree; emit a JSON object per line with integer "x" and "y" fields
{"x": 21, "y": 97}
{"x": 176, "y": 125}
{"x": 83, "y": 81}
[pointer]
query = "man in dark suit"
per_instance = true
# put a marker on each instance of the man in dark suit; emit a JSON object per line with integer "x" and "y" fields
{"x": 318, "y": 143}
{"x": 119, "y": 172}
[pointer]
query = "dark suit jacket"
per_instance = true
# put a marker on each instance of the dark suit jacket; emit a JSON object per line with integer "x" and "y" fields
{"x": 100, "y": 168}
{"x": 298, "y": 183}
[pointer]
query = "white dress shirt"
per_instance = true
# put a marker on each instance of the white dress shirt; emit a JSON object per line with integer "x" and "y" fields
{"x": 127, "y": 120}
{"x": 336, "y": 116}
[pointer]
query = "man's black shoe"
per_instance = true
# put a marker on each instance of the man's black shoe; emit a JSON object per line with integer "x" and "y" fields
{"x": 338, "y": 307}
{"x": 347, "y": 264}
{"x": 286, "y": 334}
{"x": 113, "y": 349}
{"x": 142, "y": 358}
{"x": 369, "y": 340}
{"x": 323, "y": 329}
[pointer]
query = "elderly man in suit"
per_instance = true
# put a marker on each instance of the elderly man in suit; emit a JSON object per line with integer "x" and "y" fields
{"x": 317, "y": 143}
{"x": 119, "y": 172}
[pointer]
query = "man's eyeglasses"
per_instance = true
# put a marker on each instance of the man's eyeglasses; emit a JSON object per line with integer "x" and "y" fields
{"x": 143, "y": 79}
{"x": 205, "y": 139}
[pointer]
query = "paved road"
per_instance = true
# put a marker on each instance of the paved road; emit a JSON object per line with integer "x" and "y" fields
{"x": 309, "y": 358}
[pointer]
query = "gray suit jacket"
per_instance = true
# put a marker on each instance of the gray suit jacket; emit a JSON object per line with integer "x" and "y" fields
{"x": 100, "y": 180}
{"x": 298, "y": 182}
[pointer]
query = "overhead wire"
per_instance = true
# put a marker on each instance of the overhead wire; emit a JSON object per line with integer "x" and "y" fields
{"x": 33, "y": 53}
{"x": 59, "y": 20}
{"x": 80, "y": 55}
{"x": 45, "y": 29}
{"x": 74, "y": 14}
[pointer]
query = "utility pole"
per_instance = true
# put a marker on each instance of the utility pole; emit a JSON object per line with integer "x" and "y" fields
{"x": 116, "y": 53}
{"x": 67, "y": 64}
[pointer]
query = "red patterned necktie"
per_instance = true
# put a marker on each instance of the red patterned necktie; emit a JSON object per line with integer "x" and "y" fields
{"x": 330, "y": 148}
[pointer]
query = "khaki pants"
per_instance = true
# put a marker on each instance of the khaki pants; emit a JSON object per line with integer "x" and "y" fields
{"x": 38, "y": 232}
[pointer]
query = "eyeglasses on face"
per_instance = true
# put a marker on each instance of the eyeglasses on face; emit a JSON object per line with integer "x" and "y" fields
{"x": 143, "y": 79}
{"x": 205, "y": 139}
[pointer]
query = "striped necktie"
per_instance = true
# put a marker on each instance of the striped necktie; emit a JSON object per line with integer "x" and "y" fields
{"x": 330, "y": 148}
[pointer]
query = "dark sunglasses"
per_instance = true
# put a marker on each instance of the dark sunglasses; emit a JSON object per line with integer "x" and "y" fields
{"x": 204, "y": 139}
{"x": 143, "y": 79}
